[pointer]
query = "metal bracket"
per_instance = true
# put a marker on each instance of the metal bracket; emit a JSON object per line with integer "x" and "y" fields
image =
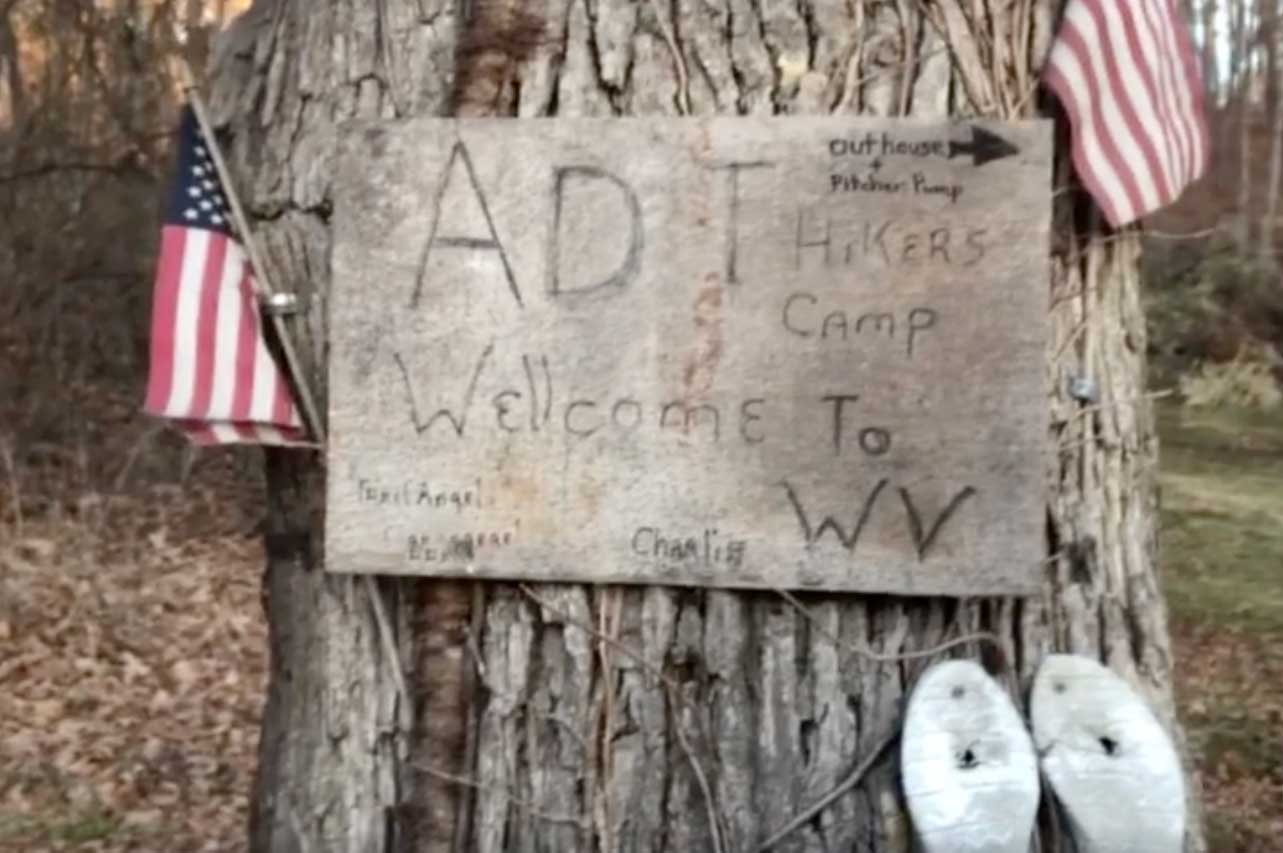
{"x": 281, "y": 304}
{"x": 1083, "y": 389}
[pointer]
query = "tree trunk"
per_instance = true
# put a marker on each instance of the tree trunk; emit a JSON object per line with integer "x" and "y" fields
{"x": 1236, "y": 71}
{"x": 1210, "y": 43}
{"x": 648, "y": 719}
{"x": 1274, "y": 111}
{"x": 1245, "y": 48}
{"x": 13, "y": 86}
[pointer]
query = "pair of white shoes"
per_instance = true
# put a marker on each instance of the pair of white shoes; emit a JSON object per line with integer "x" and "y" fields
{"x": 971, "y": 770}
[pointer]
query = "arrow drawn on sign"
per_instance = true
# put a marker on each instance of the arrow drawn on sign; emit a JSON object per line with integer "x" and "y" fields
{"x": 985, "y": 146}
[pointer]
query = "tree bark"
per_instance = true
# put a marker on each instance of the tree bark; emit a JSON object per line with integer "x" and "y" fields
{"x": 1211, "y": 68}
{"x": 1274, "y": 113}
{"x": 649, "y": 719}
{"x": 11, "y": 64}
{"x": 1244, "y": 49}
{"x": 1236, "y": 72}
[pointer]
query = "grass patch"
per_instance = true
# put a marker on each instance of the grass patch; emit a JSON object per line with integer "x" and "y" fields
{"x": 71, "y": 830}
{"x": 17, "y": 826}
{"x": 1222, "y": 518}
{"x": 1251, "y": 746}
{"x": 91, "y": 827}
{"x": 1221, "y": 473}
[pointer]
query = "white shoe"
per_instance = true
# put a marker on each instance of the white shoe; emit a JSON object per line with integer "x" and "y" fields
{"x": 1108, "y": 759}
{"x": 967, "y": 763}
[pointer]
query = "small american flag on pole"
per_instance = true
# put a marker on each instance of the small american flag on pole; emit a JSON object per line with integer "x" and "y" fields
{"x": 1128, "y": 76}
{"x": 211, "y": 372}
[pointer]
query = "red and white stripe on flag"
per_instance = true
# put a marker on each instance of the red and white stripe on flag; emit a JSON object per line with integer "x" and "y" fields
{"x": 1128, "y": 76}
{"x": 211, "y": 372}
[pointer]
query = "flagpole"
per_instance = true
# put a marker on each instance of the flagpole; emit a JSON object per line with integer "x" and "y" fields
{"x": 262, "y": 286}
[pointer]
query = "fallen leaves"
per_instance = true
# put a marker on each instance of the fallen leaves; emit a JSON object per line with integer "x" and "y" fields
{"x": 1230, "y": 692}
{"x": 134, "y": 668}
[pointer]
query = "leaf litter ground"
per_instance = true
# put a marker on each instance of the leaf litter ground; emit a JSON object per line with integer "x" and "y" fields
{"x": 134, "y": 663}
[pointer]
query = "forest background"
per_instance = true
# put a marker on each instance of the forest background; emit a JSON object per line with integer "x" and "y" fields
{"x": 133, "y": 645}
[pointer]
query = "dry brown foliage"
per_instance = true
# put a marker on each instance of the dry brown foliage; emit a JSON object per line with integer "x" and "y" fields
{"x": 134, "y": 667}
{"x": 1231, "y": 693}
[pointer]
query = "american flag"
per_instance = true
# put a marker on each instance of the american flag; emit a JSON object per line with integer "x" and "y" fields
{"x": 211, "y": 372}
{"x": 1128, "y": 76}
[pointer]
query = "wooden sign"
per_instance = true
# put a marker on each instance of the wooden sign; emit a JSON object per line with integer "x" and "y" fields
{"x": 767, "y": 352}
